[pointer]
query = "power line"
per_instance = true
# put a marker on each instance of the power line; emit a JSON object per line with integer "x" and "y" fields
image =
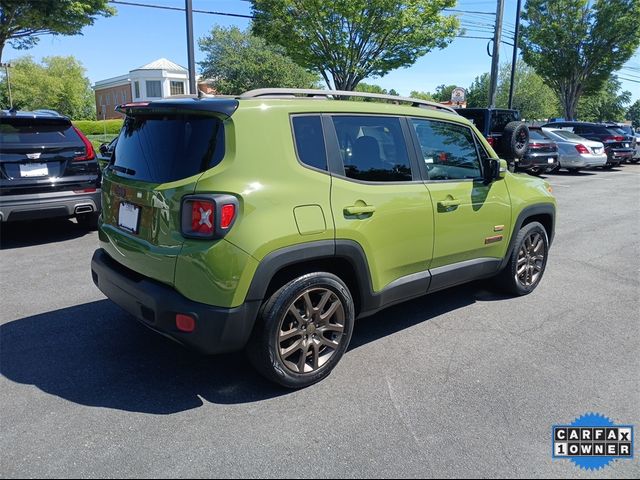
{"x": 163, "y": 7}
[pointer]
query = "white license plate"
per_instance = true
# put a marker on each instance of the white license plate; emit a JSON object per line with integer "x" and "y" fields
{"x": 626, "y": 145}
{"x": 597, "y": 151}
{"x": 34, "y": 170}
{"x": 549, "y": 160}
{"x": 128, "y": 217}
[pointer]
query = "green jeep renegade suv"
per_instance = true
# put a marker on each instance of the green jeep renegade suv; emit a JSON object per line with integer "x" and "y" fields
{"x": 271, "y": 221}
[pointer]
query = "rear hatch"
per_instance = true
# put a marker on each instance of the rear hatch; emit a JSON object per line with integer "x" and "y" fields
{"x": 43, "y": 154}
{"x": 161, "y": 152}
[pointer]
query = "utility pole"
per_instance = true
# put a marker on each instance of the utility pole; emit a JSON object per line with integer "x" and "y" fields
{"x": 515, "y": 55}
{"x": 497, "y": 35}
{"x": 192, "y": 65}
{"x": 6, "y": 71}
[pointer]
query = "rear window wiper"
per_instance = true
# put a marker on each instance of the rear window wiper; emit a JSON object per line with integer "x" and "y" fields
{"x": 126, "y": 171}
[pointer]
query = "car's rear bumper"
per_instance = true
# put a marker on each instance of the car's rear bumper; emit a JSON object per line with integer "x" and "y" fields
{"x": 617, "y": 156}
{"x": 583, "y": 160}
{"x": 539, "y": 161}
{"x": 217, "y": 329}
{"x": 44, "y": 205}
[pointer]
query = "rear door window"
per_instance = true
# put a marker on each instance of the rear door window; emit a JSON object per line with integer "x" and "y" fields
{"x": 373, "y": 148}
{"x": 449, "y": 150}
{"x": 162, "y": 148}
{"x": 309, "y": 139}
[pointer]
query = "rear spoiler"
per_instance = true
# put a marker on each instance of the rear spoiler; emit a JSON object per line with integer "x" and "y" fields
{"x": 224, "y": 107}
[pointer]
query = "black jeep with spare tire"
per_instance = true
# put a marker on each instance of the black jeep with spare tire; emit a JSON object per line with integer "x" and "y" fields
{"x": 503, "y": 129}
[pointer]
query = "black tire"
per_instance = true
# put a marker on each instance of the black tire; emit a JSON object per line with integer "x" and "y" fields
{"x": 634, "y": 160}
{"x": 269, "y": 344}
{"x": 535, "y": 172}
{"x": 88, "y": 220}
{"x": 608, "y": 166}
{"x": 509, "y": 279}
{"x": 514, "y": 142}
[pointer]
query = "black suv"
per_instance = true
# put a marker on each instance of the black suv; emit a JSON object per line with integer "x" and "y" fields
{"x": 502, "y": 128}
{"x": 618, "y": 146}
{"x": 48, "y": 168}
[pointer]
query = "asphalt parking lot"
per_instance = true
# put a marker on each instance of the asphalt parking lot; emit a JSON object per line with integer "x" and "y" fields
{"x": 463, "y": 383}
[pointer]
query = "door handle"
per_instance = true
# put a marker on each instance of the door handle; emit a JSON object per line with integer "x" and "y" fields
{"x": 359, "y": 210}
{"x": 449, "y": 203}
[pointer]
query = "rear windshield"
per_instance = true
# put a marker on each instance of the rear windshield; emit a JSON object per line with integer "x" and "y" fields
{"x": 40, "y": 132}
{"x": 162, "y": 148}
{"x": 476, "y": 117}
{"x": 537, "y": 135}
{"x": 567, "y": 134}
{"x": 499, "y": 119}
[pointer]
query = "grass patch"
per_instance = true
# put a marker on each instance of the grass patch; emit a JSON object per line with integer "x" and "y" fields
{"x": 97, "y": 140}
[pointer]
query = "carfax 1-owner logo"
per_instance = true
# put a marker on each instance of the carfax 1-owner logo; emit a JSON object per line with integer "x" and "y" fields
{"x": 592, "y": 441}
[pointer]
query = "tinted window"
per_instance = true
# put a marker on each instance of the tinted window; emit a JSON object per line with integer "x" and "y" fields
{"x": 537, "y": 135}
{"x": 307, "y": 131}
{"x": 373, "y": 148}
{"x": 30, "y": 131}
{"x": 448, "y": 150}
{"x": 568, "y": 135}
{"x": 164, "y": 148}
{"x": 499, "y": 120}
{"x": 476, "y": 117}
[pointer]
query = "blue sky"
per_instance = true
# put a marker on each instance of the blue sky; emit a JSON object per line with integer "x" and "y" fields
{"x": 136, "y": 36}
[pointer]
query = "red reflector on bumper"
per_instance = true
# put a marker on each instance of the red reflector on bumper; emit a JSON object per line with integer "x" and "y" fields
{"x": 185, "y": 323}
{"x": 86, "y": 190}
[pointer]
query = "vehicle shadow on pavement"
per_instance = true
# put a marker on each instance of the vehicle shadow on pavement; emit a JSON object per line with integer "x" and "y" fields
{"x": 96, "y": 355}
{"x": 40, "y": 232}
{"x": 581, "y": 173}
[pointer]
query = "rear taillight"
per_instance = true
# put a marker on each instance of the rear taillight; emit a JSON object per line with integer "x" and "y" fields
{"x": 536, "y": 145}
{"x": 492, "y": 141}
{"x": 582, "y": 149}
{"x": 208, "y": 216}
{"x": 614, "y": 138}
{"x": 89, "y": 152}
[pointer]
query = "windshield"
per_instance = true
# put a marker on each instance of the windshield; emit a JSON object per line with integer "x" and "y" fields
{"x": 537, "y": 135}
{"x": 163, "y": 148}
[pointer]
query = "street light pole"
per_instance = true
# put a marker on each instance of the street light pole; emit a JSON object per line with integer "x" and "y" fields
{"x": 515, "y": 55}
{"x": 190, "y": 56}
{"x": 497, "y": 35}
{"x": 6, "y": 71}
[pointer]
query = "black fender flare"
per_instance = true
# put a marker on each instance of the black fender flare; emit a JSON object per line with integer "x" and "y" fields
{"x": 530, "y": 211}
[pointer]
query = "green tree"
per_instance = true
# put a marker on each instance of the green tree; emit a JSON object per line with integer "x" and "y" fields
{"x": 23, "y": 21}
{"x": 422, "y": 95}
{"x": 607, "y": 104}
{"x": 633, "y": 114}
{"x": 531, "y": 95}
{"x": 478, "y": 92}
{"x": 237, "y": 61}
{"x": 575, "y": 45}
{"x": 59, "y": 83}
{"x": 443, "y": 93}
{"x": 352, "y": 40}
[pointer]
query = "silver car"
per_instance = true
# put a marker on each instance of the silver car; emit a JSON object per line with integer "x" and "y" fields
{"x": 576, "y": 152}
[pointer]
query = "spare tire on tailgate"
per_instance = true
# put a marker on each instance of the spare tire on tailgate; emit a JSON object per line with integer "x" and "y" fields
{"x": 515, "y": 140}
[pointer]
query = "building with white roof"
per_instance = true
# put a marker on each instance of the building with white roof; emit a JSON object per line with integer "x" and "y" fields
{"x": 161, "y": 78}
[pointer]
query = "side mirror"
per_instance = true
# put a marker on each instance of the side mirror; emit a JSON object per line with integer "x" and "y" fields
{"x": 494, "y": 170}
{"x": 103, "y": 148}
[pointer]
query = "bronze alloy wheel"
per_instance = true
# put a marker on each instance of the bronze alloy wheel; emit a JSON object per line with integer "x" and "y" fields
{"x": 311, "y": 330}
{"x": 530, "y": 263}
